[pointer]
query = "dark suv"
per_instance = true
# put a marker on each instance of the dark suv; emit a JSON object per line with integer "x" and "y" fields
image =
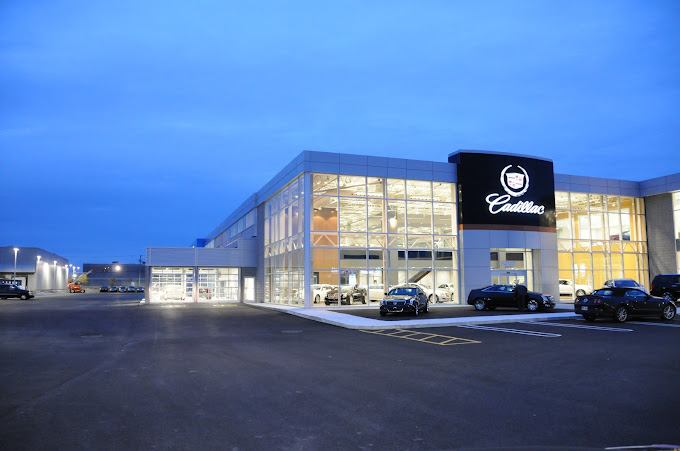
{"x": 666, "y": 286}
{"x": 13, "y": 291}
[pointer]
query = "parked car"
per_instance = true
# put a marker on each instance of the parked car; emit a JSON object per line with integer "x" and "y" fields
{"x": 113, "y": 289}
{"x": 569, "y": 288}
{"x": 445, "y": 291}
{"x": 405, "y": 300}
{"x": 349, "y": 295}
{"x": 319, "y": 291}
{"x": 204, "y": 293}
{"x": 622, "y": 303}
{"x": 666, "y": 286}
{"x": 104, "y": 290}
{"x": 624, "y": 283}
{"x": 14, "y": 291}
{"x": 140, "y": 289}
{"x": 122, "y": 289}
{"x": 173, "y": 292}
{"x": 427, "y": 290}
{"x": 376, "y": 292}
{"x": 504, "y": 296}
{"x": 131, "y": 289}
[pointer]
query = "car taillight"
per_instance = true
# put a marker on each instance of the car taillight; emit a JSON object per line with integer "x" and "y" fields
{"x": 651, "y": 287}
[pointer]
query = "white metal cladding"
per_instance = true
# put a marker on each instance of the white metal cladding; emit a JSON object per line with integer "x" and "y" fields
{"x": 226, "y": 257}
{"x": 182, "y": 256}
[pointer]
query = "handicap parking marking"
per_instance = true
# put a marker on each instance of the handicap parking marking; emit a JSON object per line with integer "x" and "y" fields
{"x": 511, "y": 331}
{"x": 654, "y": 324}
{"x": 423, "y": 337}
{"x": 577, "y": 326}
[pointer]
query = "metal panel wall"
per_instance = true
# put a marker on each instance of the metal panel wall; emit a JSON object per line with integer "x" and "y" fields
{"x": 660, "y": 234}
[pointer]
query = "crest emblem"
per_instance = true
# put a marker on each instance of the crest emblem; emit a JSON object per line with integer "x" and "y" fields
{"x": 515, "y": 183}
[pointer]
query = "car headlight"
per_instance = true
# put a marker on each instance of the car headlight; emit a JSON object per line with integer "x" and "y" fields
{"x": 383, "y": 303}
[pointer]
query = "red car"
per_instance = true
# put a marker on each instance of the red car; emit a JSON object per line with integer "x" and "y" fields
{"x": 75, "y": 288}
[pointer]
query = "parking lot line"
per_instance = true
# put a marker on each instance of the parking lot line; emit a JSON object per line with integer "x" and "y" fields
{"x": 423, "y": 337}
{"x": 654, "y": 324}
{"x": 511, "y": 331}
{"x": 577, "y": 326}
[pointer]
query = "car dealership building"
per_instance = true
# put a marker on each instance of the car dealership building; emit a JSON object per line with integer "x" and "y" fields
{"x": 375, "y": 222}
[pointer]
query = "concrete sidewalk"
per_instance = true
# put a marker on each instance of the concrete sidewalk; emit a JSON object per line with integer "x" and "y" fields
{"x": 348, "y": 321}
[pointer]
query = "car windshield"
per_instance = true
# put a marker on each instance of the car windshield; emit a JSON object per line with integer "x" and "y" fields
{"x": 627, "y": 283}
{"x": 403, "y": 292}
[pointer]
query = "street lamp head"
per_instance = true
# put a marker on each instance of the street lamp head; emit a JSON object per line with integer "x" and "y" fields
{"x": 117, "y": 268}
{"x": 16, "y": 249}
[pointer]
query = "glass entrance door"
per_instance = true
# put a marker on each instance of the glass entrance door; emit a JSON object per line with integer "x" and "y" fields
{"x": 507, "y": 277}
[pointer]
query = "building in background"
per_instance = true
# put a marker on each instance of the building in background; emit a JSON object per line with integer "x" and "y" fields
{"x": 33, "y": 268}
{"x": 115, "y": 273}
{"x": 357, "y": 222}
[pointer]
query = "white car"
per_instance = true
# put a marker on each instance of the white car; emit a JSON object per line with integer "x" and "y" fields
{"x": 445, "y": 292}
{"x": 569, "y": 288}
{"x": 319, "y": 291}
{"x": 376, "y": 291}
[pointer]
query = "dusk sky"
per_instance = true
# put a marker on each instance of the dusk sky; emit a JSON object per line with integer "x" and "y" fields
{"x": 146, "y": 123}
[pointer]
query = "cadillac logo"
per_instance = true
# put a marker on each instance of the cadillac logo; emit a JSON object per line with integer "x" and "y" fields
{"x": 515, "y": 183}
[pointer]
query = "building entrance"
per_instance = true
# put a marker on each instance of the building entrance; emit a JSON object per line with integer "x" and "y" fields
{"x": 504, "y": 277}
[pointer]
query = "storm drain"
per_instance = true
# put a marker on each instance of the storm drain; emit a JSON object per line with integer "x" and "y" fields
{"x": 423, "y": 337}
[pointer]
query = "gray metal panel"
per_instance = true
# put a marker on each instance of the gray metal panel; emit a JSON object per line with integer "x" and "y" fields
{"x": 660, "y": 234}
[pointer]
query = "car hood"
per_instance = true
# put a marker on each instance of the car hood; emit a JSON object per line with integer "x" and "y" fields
{"x": 398, "y": 297}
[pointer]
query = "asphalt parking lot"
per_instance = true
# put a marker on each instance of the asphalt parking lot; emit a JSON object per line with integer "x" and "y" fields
{"x": 99, "y": 371}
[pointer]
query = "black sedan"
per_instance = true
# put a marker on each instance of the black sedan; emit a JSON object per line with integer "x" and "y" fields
{"x": 622, "y": 303}
{"x": 349, "y": 295}
{"x": 504, "y": 296}
{"x": 104, "y": 290}
{"x": 404, "y": 300}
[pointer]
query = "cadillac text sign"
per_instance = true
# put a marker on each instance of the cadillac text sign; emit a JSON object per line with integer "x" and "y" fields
{"x": 504, "y": 191}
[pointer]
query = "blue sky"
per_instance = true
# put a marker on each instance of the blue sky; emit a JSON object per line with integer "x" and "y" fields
{"x": 145, "y": 123}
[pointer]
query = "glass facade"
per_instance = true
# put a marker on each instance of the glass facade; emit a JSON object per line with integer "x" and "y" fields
{"x": 600, "y": 237}
{"x": 177, "y": 284}
{"x": 368, "y": 234}
{"x": 172, "y": 284}
{"x": 283, "y": 244}
{"x": 676, "y": 222}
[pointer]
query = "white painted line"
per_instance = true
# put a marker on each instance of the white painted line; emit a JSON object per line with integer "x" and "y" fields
{"x": 512, "y": 331}
{"x": 654, "y": 324}
{"x": 578, "y": 326}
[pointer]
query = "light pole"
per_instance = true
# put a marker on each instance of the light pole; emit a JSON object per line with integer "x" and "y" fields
{"x": 37, "y": 279}
{"x": 16, "y": 251}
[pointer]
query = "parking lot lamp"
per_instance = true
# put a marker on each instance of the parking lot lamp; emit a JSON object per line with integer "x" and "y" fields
{"x": 16, "y": 251}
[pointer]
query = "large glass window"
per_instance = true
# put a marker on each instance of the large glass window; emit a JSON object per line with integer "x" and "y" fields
{"x": 172, "y": 284}
{"x": 284, "y": 230}
{"x": 676, "y": 217}
{"x": 375, "y": 233}
{"x": 599, "y": 237}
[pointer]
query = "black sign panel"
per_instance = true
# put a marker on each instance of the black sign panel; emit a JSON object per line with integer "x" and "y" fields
{"x": 505, "y": 190}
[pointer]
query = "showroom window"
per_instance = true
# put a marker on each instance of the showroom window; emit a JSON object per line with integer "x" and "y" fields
{"x": 218, "y": 284}
{"x": 284, "y": 237}
{"x": 371, "y": 233}
{"x": 599, "y": 237}
{"x": 172, "y": 284}
{"x": 676, "y": 217}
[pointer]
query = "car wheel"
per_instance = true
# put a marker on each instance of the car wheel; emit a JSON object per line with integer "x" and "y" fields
{"x": 580, "y": 293}
{"x": 480, "y": 304}
{"x": 328, "y": 303}
{"x": 23, "y": 297}
{"x": 532, "y": 305}
{"x": 426, "y": 308}
{"x": 668, "y": 312}
{"x": 433, "y": 298}
{"x": 415, "y": 310}
{"x": 383, "y": 313}
{"x": 316, "y": 299}
{"x": 589, "y": 317}
{"x": 363, "y": 299}
{"x": 621, "y": 314}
